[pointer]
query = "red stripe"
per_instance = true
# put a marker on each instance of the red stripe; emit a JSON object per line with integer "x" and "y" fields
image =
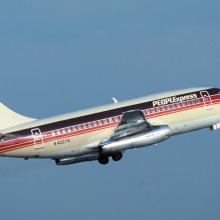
{"x": 6, "y": 148}
{"x": 27, "y": 144}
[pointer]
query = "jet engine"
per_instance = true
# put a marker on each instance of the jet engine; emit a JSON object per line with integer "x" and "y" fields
{"x": 114, "y": 148}
{"x": 154, "y": 135}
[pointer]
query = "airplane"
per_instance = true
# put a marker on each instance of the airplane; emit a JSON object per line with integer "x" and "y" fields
{"x": 105, "y": 132}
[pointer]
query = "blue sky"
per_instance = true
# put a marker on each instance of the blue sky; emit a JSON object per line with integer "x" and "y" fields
{"x": 62, "y": 56}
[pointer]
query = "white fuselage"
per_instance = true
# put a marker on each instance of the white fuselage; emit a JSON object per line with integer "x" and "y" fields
{"x": 77, "y": 134}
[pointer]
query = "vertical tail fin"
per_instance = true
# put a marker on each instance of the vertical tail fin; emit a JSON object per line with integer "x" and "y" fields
{"x": 9, "y": 118}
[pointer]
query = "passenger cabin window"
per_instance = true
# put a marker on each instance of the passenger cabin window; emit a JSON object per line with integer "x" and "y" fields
{"x": 178, "y": 105}
{"x": 158, "y": 109}
{"x": 162, "y": 108}
{"x": 99, "y": 122}
{"x": 193, "y": 101}
{"x": 115, "y": 119}
{"x": 148, "y": 111}
{"x": 168, "y": 107}
{"x": 183, "y": 104}
{"x": 64, "y": 131}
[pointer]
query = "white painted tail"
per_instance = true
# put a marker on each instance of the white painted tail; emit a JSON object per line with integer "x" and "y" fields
{"x": 9, "y": 118}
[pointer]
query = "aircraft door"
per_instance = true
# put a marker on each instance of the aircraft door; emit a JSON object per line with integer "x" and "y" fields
{"x": 207, "y": 100}
{"x": 38, "y": 138}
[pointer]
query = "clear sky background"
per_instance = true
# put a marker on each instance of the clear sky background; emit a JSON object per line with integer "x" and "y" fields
{"x": 62, "y": 56}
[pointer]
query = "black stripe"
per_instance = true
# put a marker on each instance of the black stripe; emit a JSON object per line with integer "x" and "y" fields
{"x": 102, "y": 115}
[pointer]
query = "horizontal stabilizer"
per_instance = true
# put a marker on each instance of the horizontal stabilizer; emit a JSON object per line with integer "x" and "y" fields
{"x": 9, "y": 118}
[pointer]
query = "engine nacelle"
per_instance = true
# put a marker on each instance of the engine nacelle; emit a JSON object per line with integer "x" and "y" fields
{"x": 146, "y": 138}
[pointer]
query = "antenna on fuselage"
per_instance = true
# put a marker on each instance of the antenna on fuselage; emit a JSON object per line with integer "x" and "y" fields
{"x": 115, "y": 100}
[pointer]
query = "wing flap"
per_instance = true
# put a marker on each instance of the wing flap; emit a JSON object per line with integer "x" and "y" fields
{"x": 132, "y": 122}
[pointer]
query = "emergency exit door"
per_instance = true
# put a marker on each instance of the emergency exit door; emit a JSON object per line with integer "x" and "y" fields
{"x": 38, "y": 138}
{"x": 206, "y": 100}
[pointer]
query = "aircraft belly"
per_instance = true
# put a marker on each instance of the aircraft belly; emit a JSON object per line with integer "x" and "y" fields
{"x": 21, "y": 152}
{"x": 179, "y": 122}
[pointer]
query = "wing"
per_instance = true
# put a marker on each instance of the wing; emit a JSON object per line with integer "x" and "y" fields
{"x": 133, "y": 131}
{"x": 132, "y": 122}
